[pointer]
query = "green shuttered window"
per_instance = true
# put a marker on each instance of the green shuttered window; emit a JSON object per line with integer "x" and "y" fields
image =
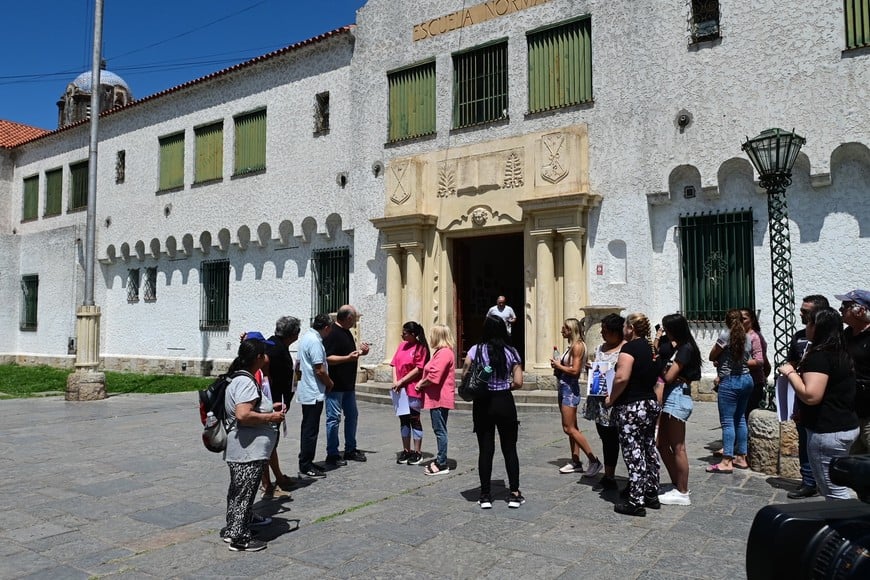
{"x": 209, "y": 153}
{"x": 215, "y": 301}
{"x": 30, "y": 201}
{"x": 331, "y": 269}
{"x": 480, "y": 85}
{"x": 412, "y": 102}
{"x": 718, "y": 267}
{"x": 560, "y": 66}
{"x": 857, "y": 14}
{"x": 171, "y": 162}
{"x": 78, "y": 185}
{"x": 53, "y": 191}
{"x": 29, "y": 302}
{"x": 250, "y": 145}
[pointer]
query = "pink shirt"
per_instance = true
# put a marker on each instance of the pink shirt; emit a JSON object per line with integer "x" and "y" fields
{"x": 441, "y": 372}
{"x": 407, "y": 358}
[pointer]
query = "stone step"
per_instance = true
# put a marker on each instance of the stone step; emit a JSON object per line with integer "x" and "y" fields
{"x": 531, "y": 401}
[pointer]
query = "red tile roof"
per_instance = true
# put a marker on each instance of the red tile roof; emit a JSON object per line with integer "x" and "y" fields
{"x": 12, "y": 134}
{"x": 220, "y": 73}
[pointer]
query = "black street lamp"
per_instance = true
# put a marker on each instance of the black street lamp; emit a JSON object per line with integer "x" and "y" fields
{"x": 773, "y": 154}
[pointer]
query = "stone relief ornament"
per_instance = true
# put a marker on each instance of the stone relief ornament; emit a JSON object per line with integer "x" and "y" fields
{"x": 446, "y": 181}
{"x": 553, "y": 170}
{"x": 513, "y": 172}
{"x": 401, "y": 192}
{"x": 479, "y": 217}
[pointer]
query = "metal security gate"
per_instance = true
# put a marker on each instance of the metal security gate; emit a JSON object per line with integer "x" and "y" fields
{"x": 214, "y": 311}
{"x": 331, "y": 280}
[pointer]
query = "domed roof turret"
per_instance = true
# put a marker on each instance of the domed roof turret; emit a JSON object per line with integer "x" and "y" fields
{"x": 83, "y": 81}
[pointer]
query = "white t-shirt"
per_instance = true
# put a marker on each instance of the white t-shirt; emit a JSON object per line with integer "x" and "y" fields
{"x": 506, "y": 314}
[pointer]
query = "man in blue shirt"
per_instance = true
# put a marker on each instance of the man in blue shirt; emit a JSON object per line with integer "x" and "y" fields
{"x": 311, "y": 391}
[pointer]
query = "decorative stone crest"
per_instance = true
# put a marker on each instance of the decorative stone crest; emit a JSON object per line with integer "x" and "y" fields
{"x": 553, "y": 170}
{"x": 513, "y": 172}
{"x": 446, "y": 181}
{"x": 401, "y": 192}
{"x": 479, "y": 217}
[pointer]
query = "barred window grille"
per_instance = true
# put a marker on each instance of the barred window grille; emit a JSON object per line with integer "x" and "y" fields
{"x": 331, "y": 280}
{"x": 171, "y": 161}
{"x": 120, "y": 166}
{"x": 250, "y": 145}
{"x": 29, "y": 302}
{"x": 321, "y": 113}
{"x": 78, "y": 181}
{"x": 704, "y": 23}
{"x": 560, "y": 66}
{"x": 53, "y": 191}
{"x": 215, "y": 300}
{"x": 717, "y": 263}
{"x": 480, "y": 85}
{"x": 857, "y": 14}
{"x": 412, "y": 102}
{"x": 149, "y": 285}
{"x": 209, "y": 143}
{"x": 30, "y": 200}
{"x": 133, "y": 285}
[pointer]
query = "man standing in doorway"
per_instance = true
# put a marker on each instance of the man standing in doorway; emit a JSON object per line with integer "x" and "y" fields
{"x": 503, "y": 311}
{"x": 799, "y": 346}
{"x": 343, "y": 356}
{"x": 311, "y": 392}
{"x": 855, "y": 309}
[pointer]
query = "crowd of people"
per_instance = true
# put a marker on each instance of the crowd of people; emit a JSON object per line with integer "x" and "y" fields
{"x": 642, "y": 411}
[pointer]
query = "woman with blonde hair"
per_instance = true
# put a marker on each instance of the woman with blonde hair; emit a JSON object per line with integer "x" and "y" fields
{"x": 568, "y": 368}
{"x": 636, "y": 410}
{"x": 437, "y": 389}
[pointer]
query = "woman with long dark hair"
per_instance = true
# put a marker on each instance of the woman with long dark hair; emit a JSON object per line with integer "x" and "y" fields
{"x": 411, "y": 355}
{"x": 680, "y": 361}
{"x": 759, "y": 349}
{"x": 252, "y": 429}
{"x": 635, "y": 412}
{"x": 496, "y": 410}
{"x": 732, "y": 355}
{"x": 824, "y": 383}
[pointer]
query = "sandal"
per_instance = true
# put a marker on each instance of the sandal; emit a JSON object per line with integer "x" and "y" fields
{"x": 435, "y": 469}
{"x": 718, "y": 469}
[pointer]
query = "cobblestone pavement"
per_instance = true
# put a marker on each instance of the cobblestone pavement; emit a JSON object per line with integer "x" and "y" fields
{"x": 124, "y": 487}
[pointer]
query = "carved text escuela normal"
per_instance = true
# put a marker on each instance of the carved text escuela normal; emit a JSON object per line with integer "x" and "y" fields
{"x": 474, "y": 15}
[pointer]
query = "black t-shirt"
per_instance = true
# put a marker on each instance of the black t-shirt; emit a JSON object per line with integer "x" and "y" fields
{"x": 644, "y": 372}
{"x": 836, "y": 411}
{"x": 280, "y": 370}
{"x": 690, "y": 372}
{"x": 340, "y": 342}
{"x": 858, "y": 347}
{"x": 799, "y": 345}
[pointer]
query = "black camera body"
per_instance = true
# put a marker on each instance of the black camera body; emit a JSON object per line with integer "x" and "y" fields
{"x": 816, "y": 539}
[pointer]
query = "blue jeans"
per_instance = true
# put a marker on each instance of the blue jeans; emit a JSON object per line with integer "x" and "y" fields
{"x": 807, "y": 479}
{"x": 734, "y": 392}
{"x": 822, "y": 447}
{"x": 336, "y": 403}
{"x": 439, "y": 427}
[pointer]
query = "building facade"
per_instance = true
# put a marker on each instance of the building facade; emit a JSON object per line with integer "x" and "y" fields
{"x": 577, "y": 157}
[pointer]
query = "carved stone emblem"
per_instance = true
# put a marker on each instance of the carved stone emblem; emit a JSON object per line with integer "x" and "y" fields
{"x": 401, "y": 192}
{"x": 553, "y": 170}
{"x": 513, "y": 172}
{"x": 479, "y": 217}
{"x": 446, "y": 181}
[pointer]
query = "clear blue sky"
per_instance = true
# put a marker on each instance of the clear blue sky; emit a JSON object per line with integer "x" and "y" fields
{"x": 153, "y": 44}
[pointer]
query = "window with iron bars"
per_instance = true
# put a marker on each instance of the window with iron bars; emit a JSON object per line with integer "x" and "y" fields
{"x": 704, "y": 20}
{"x": 214, "y": 313}
{"x": 133, "y": 285}
{"x": 321, "y": 113}
{"x": 857, "y": 15}
{"x": 480, "y": 85}
{"x": 29, "y": 301}
{"x": 149, "y": 285}
{"x": 717, "y": 264}
{"x": 331, "y": 280}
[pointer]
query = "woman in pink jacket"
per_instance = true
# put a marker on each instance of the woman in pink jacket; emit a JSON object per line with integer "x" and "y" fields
{"x": 437, "y": 388}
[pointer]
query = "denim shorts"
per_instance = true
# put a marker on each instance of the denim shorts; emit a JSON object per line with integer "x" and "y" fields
{"x": 569, "y": 394}
{"x": 678, "y": 401}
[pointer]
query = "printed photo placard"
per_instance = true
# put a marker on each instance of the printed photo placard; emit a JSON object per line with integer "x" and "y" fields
{"x": 600, "y": 378}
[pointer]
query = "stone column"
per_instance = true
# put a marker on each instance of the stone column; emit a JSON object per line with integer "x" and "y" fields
{"x": 573, "y": 293}
{"x": 394, "y": 302}
{"x": 545, "y": 293}
{"x": 414, "y": 283}
{"x": 86, "y": 384}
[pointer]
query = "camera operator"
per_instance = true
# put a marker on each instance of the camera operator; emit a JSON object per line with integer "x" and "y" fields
{"x": 855, "y": 308}
{"x": 825, "y": 387}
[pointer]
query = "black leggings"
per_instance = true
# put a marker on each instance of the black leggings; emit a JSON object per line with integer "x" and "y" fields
{"x": 609, "y": 444}
{"x": 497, "y": 410}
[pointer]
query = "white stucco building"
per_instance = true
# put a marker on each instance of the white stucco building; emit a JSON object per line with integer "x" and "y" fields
{"x": 566, "y": 153}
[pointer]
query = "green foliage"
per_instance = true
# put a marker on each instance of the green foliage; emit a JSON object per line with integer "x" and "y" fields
{"x": 30, "y": 381}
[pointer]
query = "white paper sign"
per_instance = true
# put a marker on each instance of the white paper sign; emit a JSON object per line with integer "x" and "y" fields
{"x": 400, "y": 402}
{"x": 784, "y": 398}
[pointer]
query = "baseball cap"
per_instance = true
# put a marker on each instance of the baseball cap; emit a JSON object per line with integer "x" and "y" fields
{"x": 857, "y": 296}
{"x": 258, "y": 336}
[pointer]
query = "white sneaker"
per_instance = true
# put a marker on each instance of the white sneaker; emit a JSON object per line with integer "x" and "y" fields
{"x": 675, "y": 497}
{"x": 594, "y": 468}
{"x": 571, "y": 467}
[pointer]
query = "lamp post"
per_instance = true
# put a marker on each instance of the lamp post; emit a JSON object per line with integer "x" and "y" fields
{"x": 773, "y": 154}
